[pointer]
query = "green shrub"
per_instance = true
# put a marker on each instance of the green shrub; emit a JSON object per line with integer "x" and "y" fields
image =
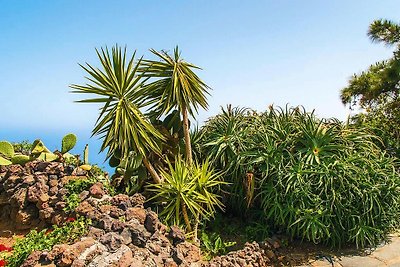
{"x": 319, "y": 180}
{"x": 188, "y": 194}
{"x": 46, "y": 239}
{"x": 212, "y": 245}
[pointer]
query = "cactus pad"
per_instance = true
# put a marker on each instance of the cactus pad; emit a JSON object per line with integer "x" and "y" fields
{"x": 4, "y": 162}
{"x": 68, "y": 143}
{"x": 6, "y": 149}
{"x": 38, "y": 147}
{"x": 47, "y": 156}
{"x": 20, "y": 159}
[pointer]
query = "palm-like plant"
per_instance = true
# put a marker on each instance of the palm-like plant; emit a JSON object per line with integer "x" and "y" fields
{"x": 189, "y": 191}
{"x": 121, "y": 124}
{"x": 175, "y": 86}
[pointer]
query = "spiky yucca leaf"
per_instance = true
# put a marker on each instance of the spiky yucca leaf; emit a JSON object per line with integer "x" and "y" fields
{"x": 121, "y": 124}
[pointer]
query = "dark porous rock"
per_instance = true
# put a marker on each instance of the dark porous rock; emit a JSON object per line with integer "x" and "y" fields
{"x": 11, "y": 181}
{"x": 32, "y": 259}
{"x": 186, "y": 252}
{"x": 139, "y": 234}
{"x": 28, "y": 179}
{"x": 139, "y": 238}
{"x": 151, "y": 222}
{"x": 60, "y": 205}
{"x": 118, "y": 226}
{"x": 36, "y": 190}
{"x": 176, "y": 234}
{"x": 116, "y": 212}
{"x": 62, "y": 192}
{"x": 64, "y": 255}
{"x": 126, "y": 235}
{"x": 41, "y": 166}
{"x": 53, "y": 191}
{"x": 54, "y": 168}
{"x": 137, "y": 200}
{"x": 78, "y": 171}
{"x": 53, "y": 200}
{"x": 57, "y": 219}
{"x": 83, "y": 195}
{"x": 25, "y": 216}
{"x": 105, "y": 222}
{"x": 121, "y": 199}
{"x": 41, "y": 178}
{"x": 18, "y": 199}
{"x": 95, "y": 232}
{"x": 87, "y": 210}
{"x": 14, "y": 169}
{"x": 251, "y": 255}
{"x": 136, "y": 213}
{"x": 46, "y": 214}
{"x": 53, "y": 182}
{"x": 112, "y": 241}
{"x": 96, "y": 190}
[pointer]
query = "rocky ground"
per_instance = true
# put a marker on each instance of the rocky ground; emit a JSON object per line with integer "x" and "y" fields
{"x": 123, "y": 232}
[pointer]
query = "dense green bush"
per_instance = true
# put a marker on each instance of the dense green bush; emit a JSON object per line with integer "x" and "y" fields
{"x": 46, "y": 240}
{"x": 319, "y": 180}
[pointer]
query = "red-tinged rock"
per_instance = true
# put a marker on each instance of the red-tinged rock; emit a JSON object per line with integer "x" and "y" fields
{"x": 96, "y": 190}
{"x": 136, "y": 213}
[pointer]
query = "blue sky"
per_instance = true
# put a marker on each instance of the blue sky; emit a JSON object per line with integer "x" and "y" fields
{"x": 253, "y": 53}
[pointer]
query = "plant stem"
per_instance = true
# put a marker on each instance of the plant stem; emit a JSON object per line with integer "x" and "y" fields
{"x": 196, "y": 226}
{"x": 185, "y": 216}
{"x": 188, "y": 145}
{"x": 156, "y": 178}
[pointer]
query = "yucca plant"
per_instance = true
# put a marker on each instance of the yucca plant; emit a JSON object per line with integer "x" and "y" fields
{"x": 188, "y": 195}
{"x": 175, "y": 86}
{"x": 121, "y": 124}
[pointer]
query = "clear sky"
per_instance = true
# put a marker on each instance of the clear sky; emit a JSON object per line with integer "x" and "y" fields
{"x": 253, "y": 53}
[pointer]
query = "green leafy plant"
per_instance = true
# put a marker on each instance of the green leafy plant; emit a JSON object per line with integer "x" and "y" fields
{"x": 376, "y": 90}
{"x": 71, "y": 202}
{"x": 8, "y": 155}
{"x": 212, "y": 245}
{"x": 45, "y": 240}
{"x": 319, "y": 180}
{"x": 23, "y": 147}
{"x": 121, "y": 124}
{"x": 175, "y": 85}
{"x": 189, "y": 194}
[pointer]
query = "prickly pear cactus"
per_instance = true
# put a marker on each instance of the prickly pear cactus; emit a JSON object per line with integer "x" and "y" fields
{"x": 4, "y": 162}
{"x": 20, "y": 159}
{"x": 47, "y": 156}
{"x": 68, "y": 143}
{"x": 38, "y": 147}
{"x": 6, "y": 149}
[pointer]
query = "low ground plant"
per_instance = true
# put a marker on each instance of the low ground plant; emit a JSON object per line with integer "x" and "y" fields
{"x": 46, "y": 239}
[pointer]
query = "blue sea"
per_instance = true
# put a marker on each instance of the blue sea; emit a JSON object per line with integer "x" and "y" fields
{"x": 52, "y": 140}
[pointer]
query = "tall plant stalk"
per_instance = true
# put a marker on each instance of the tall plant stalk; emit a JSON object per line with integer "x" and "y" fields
{"x": 186, "y": 132}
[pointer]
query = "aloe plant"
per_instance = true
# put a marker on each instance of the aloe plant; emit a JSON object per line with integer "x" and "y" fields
{"x": 316, "y": 179}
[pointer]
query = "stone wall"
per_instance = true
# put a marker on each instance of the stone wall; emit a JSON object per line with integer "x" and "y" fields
{"x": 33, "y": 195}
{"x": 123, "y": 232}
